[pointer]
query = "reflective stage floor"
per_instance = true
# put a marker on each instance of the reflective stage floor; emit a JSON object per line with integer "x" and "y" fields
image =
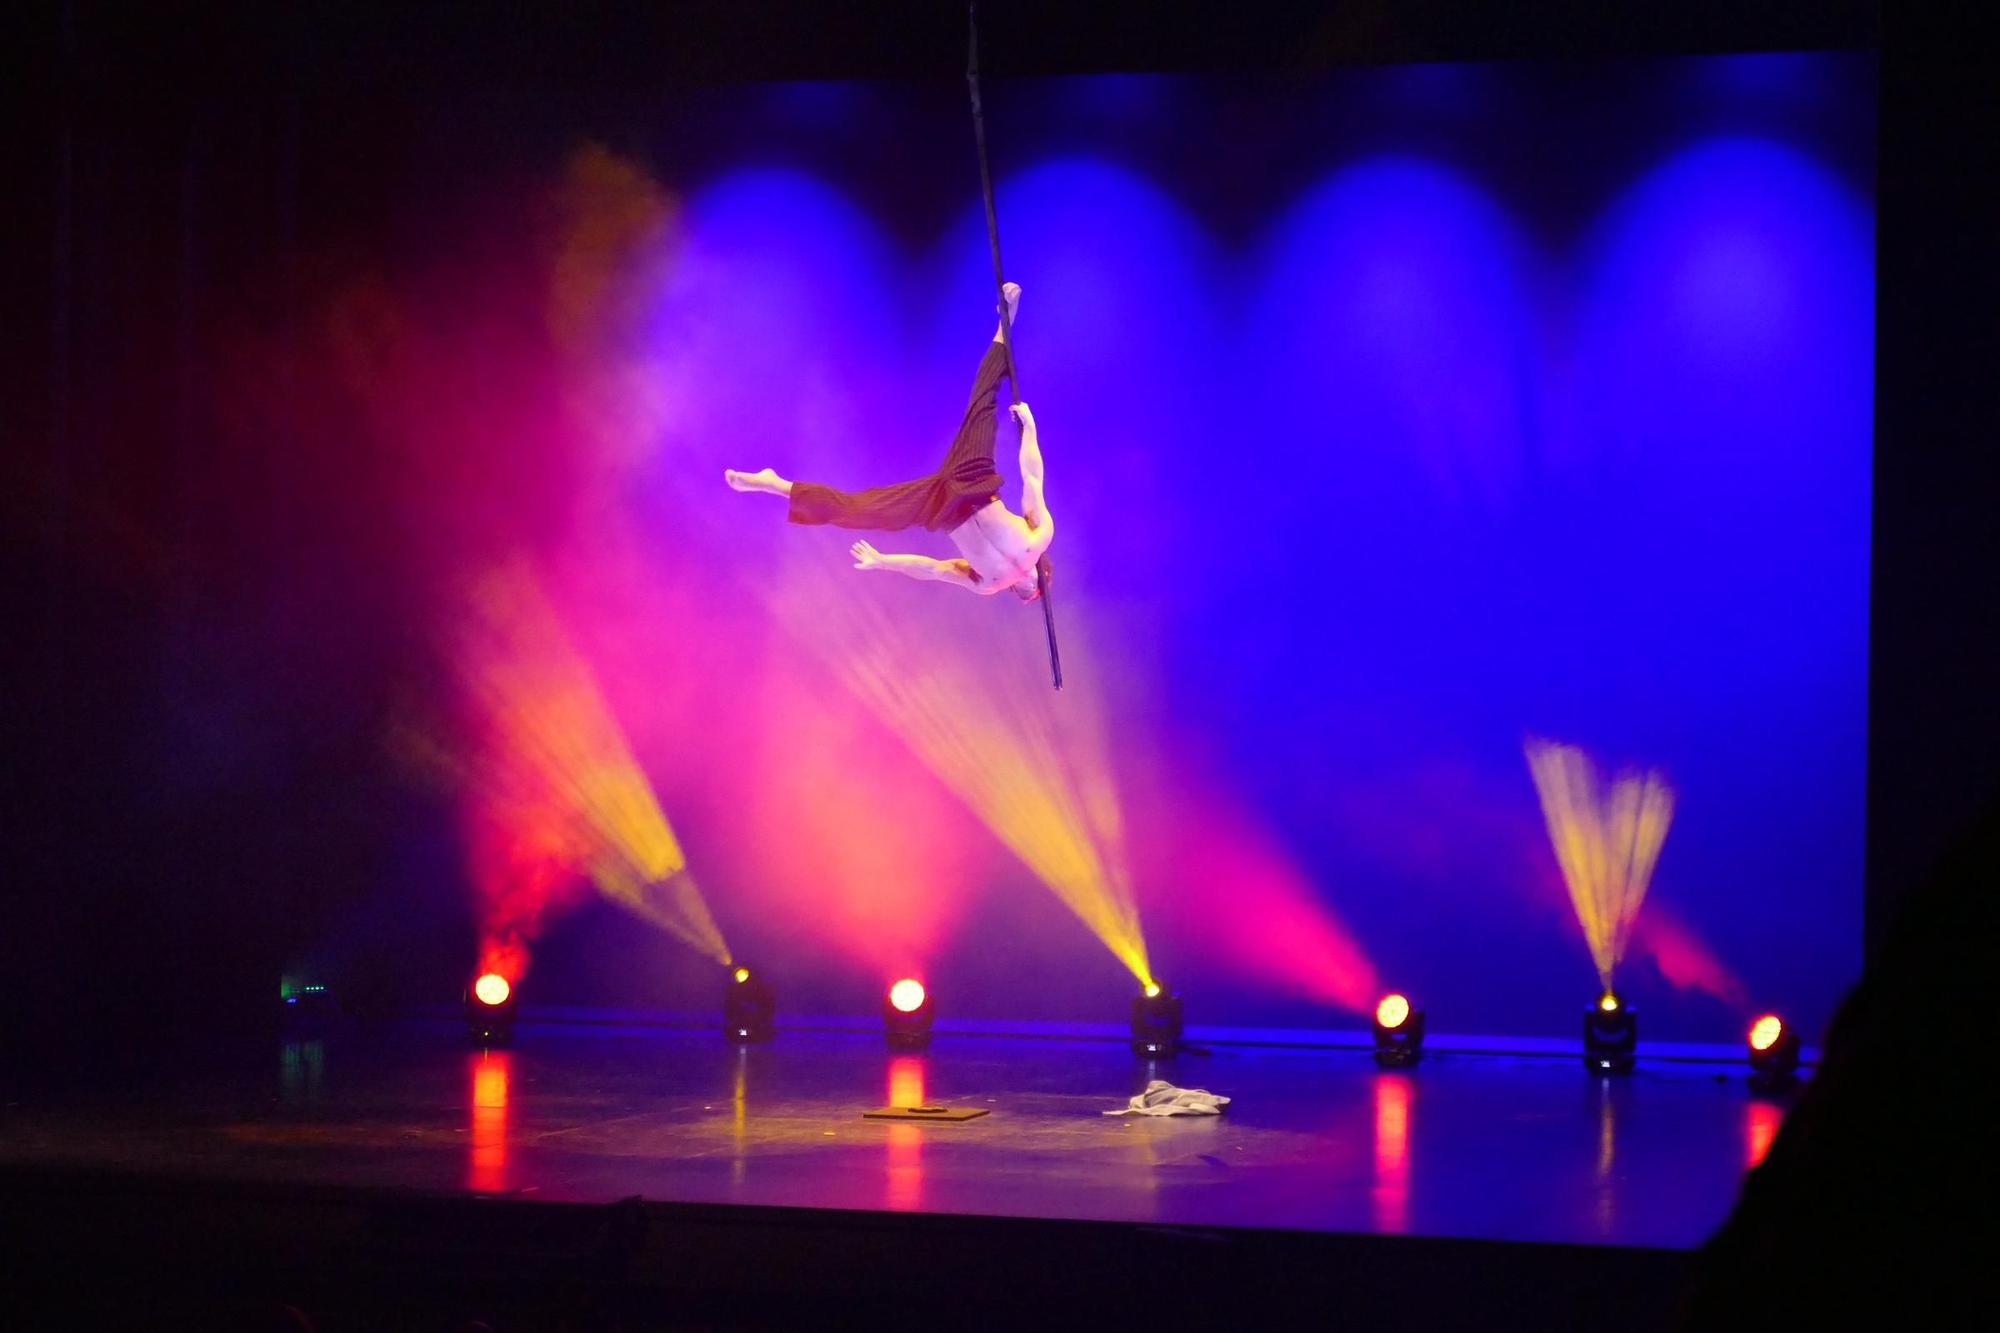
{"x": 1471, "y": 1146}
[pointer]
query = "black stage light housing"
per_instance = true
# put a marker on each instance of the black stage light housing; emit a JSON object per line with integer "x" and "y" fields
{"x": 489, "y": 1010}
{"x": 1399, "y": 1033}
{"x": 748, "y": 1006}
{"x": 1156, "y": 1022}
{"x": 907, "y": 1011}
{"x": 306, "y": 1009}
{"x": 1610, "y": 1036}
{"x": 1774, "y": 1054}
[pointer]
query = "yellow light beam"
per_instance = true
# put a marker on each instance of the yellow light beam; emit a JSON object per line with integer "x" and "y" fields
{"x": 550, "y": 728}
{"x": 1039, "y": 780}
{"x": 1606, "y": 842}
{"x": 972, "y": 714}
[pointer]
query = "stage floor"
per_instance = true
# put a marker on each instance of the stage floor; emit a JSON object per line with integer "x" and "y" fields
{"x": 1476, "y": 1146}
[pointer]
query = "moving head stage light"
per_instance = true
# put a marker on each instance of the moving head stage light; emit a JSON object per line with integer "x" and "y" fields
{"x": 305, "y": 1009}
{"x": 748, "y": 1006}
{"x": 1156, "y": 1022}
{"x": 1774, "y": 1054}
{"x": 1399, "y": 1032}
{"x": 1610, "y": 1036}
{"x": 906, "y": 1015}
{"x": 489, "y": 1010}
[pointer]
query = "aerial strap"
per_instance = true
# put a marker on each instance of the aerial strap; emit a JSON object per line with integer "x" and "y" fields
{"x": 1000, "y": 289}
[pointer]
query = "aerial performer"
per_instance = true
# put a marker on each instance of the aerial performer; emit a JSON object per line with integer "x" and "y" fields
{"x": 999, "y": 550}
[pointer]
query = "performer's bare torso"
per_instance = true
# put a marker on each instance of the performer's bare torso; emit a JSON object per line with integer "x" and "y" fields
{"x": 1001, "y": 547}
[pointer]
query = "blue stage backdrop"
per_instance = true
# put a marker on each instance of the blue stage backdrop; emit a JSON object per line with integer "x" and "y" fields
{"x": 1394, "y": 421}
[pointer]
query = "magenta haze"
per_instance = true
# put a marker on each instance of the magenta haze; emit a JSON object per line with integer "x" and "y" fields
{"x": 1369, "y": 470}
{"x": 1388, "y": 418}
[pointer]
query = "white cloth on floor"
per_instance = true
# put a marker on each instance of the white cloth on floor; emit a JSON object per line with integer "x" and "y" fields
{"x": 1163, "y": 1098}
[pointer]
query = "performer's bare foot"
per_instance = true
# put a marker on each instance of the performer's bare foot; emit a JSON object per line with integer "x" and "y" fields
{"x": 767, "y": 480}
{"x": 1012, "y": 291}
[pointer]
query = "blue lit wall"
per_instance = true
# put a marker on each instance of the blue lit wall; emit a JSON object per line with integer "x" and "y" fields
{"x": 1390, "y": 419}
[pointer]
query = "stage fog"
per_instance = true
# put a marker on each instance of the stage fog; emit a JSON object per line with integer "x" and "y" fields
{"x": 1462, "y": 479}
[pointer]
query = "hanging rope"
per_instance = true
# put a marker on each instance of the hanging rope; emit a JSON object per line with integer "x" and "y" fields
{"x": 1000, "y": 289}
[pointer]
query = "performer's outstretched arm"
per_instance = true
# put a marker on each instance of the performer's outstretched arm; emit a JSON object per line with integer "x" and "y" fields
{"x": 1033, "y": 506}
{"x": 914, "y": 566}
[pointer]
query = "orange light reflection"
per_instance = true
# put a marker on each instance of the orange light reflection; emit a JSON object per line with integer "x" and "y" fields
{"x": 1760, "y": 1125}
{"x": 492, "y": 1072}
{"x": 1391, "y": 1193}
{"x": 906, "y": 1140}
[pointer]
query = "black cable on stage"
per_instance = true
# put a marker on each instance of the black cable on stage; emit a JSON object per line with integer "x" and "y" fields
{"x": 1000, "y": 287}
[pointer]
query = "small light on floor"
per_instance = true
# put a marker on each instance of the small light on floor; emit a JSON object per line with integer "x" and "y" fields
{"x": 1399, "y": 1032}
{"x": 749, "y": 1006}
{"x": 489, "y": 1009}
{"x": 1774, "y": 1054}
{"x": 1156, "y": 1022}
{"x": 1610, "y": 1036}
{"x": 906, "y": 1015}
{"x": 306, "y": 1009}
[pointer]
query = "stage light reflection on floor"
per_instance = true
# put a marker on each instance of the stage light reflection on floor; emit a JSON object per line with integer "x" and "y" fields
{"x": 739, "y": 1113}
{"x": 1390, "y": 1194}
{"x": 1761, "y": 1119}
{"x": 1490, "y": 1146}
{"x": 301, "y": 1072}
{"x": 492, "y": 1075}
{"x": 904, "y": 1176}
{"x": 1609, "y": 1093}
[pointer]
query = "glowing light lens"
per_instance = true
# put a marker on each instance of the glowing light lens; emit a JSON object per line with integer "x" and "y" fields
{"x": 1765, "y": 1032}
{"x": 1609, "y": 1004}
{"x": 492, "y": 989}
{"x": 907, "y": 995}
{"x": 743, "y": 974}
{"x": 1392, "y": 1011}
{"x": 1152, "y": 990}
